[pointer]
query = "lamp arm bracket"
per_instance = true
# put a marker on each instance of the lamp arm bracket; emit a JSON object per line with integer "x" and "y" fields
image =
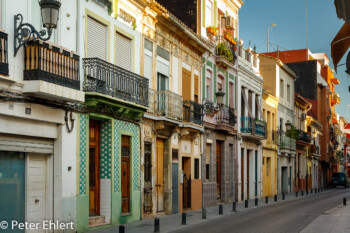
{"x": 24, "y": 32}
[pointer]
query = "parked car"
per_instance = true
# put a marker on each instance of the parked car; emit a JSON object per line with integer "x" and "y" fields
{"x": 340, "y": 179}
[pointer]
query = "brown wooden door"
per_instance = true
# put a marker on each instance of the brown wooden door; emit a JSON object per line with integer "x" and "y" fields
{"x": 218, "y": 169}
{"x": 159, "y": 175}
{"x": 94, "y": 168}
{"x": 125, "y": 173}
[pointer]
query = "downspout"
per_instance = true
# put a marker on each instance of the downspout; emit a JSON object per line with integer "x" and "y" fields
{"x": 140, "y": 172}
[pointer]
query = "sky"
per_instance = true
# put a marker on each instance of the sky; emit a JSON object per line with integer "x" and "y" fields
{"x": 289, "y": 33}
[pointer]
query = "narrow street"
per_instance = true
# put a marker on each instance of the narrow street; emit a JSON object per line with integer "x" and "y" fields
{"x": 285, "y": 216}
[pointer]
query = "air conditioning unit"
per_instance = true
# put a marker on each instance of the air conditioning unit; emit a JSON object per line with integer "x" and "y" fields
{"x": 303, "y": 116}
{"x": 229, "y": 22}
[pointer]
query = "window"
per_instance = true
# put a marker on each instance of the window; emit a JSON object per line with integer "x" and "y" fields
{"x": 209, "y": 13}
{"x": 208, "y": 91}
{"x": 123, "y": 51}
{"x": 207, "y": 160}
{"x": 281, "y": 88}
{"x": 96, "y": 31}
{"x": 288, "y": 92}
{"x": 148, "y": 162}
{"x": 220, "y": 83}
{"x": 148, "y": 67}
{"x": 163, "y": 82}
{"x": 196, "y": 88}
{"x": 196, "y": 168}
{"x": 232, "y": 95}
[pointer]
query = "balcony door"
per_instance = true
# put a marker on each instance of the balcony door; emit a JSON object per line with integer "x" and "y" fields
{"x": 162, "y": 86}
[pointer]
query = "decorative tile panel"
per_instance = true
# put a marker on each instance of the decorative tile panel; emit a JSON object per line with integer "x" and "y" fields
{"x": 133, "y": 130}
{"x": 106, "y": 150}
{"x": 83, "y": 120}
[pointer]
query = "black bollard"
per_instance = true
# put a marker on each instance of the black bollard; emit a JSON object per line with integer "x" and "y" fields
{"x": 121, "y": 229}
{"x": 234, "y": 207}
{"x": 156, "y": 225}
{"x": 311, "y": 191}
{"x": 296, "y": 194}
{"x": 204, "y": 213}
{"x": 283, "y": 196}
{"x": 302, "y": 192}
{"x": 307, "y": 192}
{"x": 266, "y": 200}
{"x": 221, "y": 209}
{"x": 275, "y": 198}
{"x": 183, "y": 219}
{"x": 318, "y": 190}
{"x": 256, "y": 201}
{"x": 344, "y": 201}
{"x": 246, "y": 203}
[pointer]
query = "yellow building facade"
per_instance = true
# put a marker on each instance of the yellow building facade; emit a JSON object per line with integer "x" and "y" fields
{"x": 269, "y": 162}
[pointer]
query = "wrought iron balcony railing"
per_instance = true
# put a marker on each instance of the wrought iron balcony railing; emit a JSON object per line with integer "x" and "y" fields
{"x": 304, "y": 136}
{"x": 271, "y": 138}
{"x": 224, "y": 53}
{"x": 4, "y": 66}
{"x": 165, "y": 103}
{"x": 260, "y": 128}
{"x": 192, "y": 112}
{"x": 226, "y": 115}
{"x": 287, "y": 143}
{"x": 52, "y": 64}
{"x": 109, "y": 79}
{"x": 246, "y": 125}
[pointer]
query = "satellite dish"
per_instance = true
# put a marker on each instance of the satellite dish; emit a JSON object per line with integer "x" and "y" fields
{"x": 348, "y": 64}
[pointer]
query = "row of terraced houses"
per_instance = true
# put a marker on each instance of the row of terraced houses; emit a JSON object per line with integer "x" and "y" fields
{"x": 139, "y": 108}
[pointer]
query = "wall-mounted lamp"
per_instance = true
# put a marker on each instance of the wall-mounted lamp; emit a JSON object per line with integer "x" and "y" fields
{"x": 25, "y": 32}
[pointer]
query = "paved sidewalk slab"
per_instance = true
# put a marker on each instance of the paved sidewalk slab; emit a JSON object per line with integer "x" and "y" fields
{"x": 336, "y": 220}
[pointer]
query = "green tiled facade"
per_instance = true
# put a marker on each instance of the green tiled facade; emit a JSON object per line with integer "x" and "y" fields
{"x": 106, "y": 150}
{"x": 83, "y": 147}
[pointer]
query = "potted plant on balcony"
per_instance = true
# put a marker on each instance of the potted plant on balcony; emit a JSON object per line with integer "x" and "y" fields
{"x": 222, "y": 50}
{"x": 229, "y": 38}
{"x": 212, "y": 30}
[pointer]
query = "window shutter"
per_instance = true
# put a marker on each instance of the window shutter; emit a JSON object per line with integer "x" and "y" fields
{"x": 196, "y": 85}
{"x": 96, "y": 39}
{"x": 123, "y": 53}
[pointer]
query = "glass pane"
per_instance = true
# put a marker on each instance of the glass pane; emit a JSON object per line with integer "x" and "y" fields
{"x": 92, "y": 171}
{"x": 12, "y": 183}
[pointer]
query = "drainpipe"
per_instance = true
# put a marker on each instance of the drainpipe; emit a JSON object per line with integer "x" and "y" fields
{"x": 140, "y": 172}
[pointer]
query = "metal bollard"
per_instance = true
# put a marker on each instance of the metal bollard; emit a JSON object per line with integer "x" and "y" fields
{"x": 246, "y": 203}
{"x": 267, "y": 200}
{"x": 307, "y": 192}
{"x": 204, "y": 213}
{"x": 296, "y": 194}
{"x": 234, "y": 207}
{"x": 183, "y": 219}
{"x": 221, "y": 209}
{"x": 283, "y": 196}
{"x": 156, "y": 225}
{"x": 302, "y": 192}
{"x": 256, "y": 201}
{"x": 344, "y": 201}
{"x": 121, "y": 229}
{"x": 318, "y": 190}
{"x": 275, "y": 198}
{"x": 311, "y": 191}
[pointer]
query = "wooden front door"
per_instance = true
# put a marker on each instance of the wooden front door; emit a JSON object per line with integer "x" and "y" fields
{"x": 125, "y": 172}
{"x": 94, "y": 168}
{"x": 159, "y": 175}
{"x": 218, "y": 169}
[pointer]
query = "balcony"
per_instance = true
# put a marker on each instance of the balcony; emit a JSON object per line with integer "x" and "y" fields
{"x": 4, "y": 66}
{"x": 271, "y": 139}
{"x": 287, "y": 143}
{"x": 315, "y": 150}
{"x": 247, "y": 124}
{"x": 51, "y": 71}
{"x": 108, "y": 79}
{"x": 225, "y": 56}
{"x": 335, "y": 99}
{"x": 192, "y": 112}
{"x": 226, "y": 119}
{"x": 165, "y": 103}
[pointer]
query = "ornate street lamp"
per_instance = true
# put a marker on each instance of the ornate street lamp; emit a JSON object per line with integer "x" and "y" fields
{"x": 220, "y": 97}
{"x": 288, "y": 126}
{"x": 25, "y": 32}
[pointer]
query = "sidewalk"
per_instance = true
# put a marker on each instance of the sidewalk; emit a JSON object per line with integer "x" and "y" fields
{"x": 336, "y": 220}
{"x": 172, "y": 222}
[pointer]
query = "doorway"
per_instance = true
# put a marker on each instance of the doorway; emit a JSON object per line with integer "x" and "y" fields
{"x": 159, "y": 175}
{"x": 218, "y": 170}
{"x": 186, "y": 167}
{"x": 125, "y": 172}
{"x": 94, "y": 168}
{"x": 284, "y": 179}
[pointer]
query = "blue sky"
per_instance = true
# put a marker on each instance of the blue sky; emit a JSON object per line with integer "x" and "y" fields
{"x": 290, "y": 33}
